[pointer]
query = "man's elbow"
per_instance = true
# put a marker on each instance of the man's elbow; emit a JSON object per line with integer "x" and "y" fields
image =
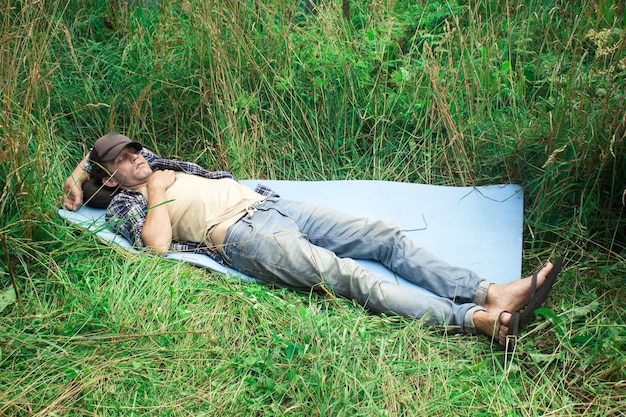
{"x": 159, "y": 249}
{"x": 159, "y": 246}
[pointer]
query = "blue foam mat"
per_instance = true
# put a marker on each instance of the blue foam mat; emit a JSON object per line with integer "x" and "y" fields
{"x": 475, "y": 227}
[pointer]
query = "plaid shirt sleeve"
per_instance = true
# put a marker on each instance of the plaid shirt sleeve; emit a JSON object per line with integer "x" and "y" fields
{"x": 126, "y": 215}
{"x": 158, "y": 163}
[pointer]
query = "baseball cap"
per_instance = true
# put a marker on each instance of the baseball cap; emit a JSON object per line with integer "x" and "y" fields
{"x": 109, "y": 146}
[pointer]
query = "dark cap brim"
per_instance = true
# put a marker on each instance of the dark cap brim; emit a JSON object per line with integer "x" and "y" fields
{"x": 109, "y": 146}
{"x": 112, "y": 153}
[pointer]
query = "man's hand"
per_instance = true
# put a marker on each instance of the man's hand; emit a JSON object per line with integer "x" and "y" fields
{"x": 161, "y": 180}
{"x": 73, "y": 194}
{"x": 73, "y": 186}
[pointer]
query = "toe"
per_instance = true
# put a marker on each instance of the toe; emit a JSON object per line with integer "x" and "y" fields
{"x": 503, "y": 326}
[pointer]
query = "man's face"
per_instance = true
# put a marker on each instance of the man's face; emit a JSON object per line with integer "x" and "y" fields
{"x": 130, "y": 169}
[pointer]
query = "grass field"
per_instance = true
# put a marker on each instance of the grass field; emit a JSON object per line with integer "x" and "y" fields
{"x": 449, "y": 92}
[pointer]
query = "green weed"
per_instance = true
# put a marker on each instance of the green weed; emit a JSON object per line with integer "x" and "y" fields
{"x": 437, "y": 92}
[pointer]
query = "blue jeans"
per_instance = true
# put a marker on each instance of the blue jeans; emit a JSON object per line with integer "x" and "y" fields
{"x": 301, "y": 245}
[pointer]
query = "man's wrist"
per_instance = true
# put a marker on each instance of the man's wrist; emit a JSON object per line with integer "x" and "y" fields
{"x": 86, "y": 163}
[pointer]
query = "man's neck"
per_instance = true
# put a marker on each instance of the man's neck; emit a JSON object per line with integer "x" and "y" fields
{"x": 137, "y": 187}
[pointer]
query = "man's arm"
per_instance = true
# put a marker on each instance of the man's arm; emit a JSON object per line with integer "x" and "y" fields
{"x": 72, "y": 188}
{"x": 157, "y": 229}
{"x": 144, "y": 222}
{"x": 127, "y": 215}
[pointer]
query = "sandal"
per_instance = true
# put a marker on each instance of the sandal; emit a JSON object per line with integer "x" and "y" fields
{"x": 511, "y": 335}
{"x": 538, "y": 297}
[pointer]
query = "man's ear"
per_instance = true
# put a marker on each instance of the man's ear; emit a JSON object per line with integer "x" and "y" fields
{"x": 109, "y": 182}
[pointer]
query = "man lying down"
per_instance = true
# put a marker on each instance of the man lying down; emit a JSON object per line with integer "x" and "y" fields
{"x": 164, "y": 205}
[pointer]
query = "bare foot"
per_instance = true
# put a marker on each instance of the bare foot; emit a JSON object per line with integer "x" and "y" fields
{"x": 502, "y": 299}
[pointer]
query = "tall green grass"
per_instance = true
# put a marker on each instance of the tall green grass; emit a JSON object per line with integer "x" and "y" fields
{"x": 450, "y": 92}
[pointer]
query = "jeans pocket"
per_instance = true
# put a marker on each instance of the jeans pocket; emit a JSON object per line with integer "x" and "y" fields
{"x": 236, "y": 240}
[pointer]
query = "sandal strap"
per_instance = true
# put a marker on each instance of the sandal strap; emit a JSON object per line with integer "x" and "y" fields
{"x": 533, "y": 286}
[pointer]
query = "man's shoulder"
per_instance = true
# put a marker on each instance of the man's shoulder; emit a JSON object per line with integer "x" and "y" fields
{"x": 124, "y": 194}
{"x": 124, "y": 199}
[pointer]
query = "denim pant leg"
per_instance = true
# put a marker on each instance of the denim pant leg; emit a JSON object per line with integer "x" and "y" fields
{"x": 301, "y": 245}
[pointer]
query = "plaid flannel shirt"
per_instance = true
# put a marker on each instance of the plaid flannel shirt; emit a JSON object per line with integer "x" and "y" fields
{"x": 127, "y": 211}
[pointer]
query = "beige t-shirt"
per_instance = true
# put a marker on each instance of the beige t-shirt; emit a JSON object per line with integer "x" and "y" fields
{"x": 197, "y": 204}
